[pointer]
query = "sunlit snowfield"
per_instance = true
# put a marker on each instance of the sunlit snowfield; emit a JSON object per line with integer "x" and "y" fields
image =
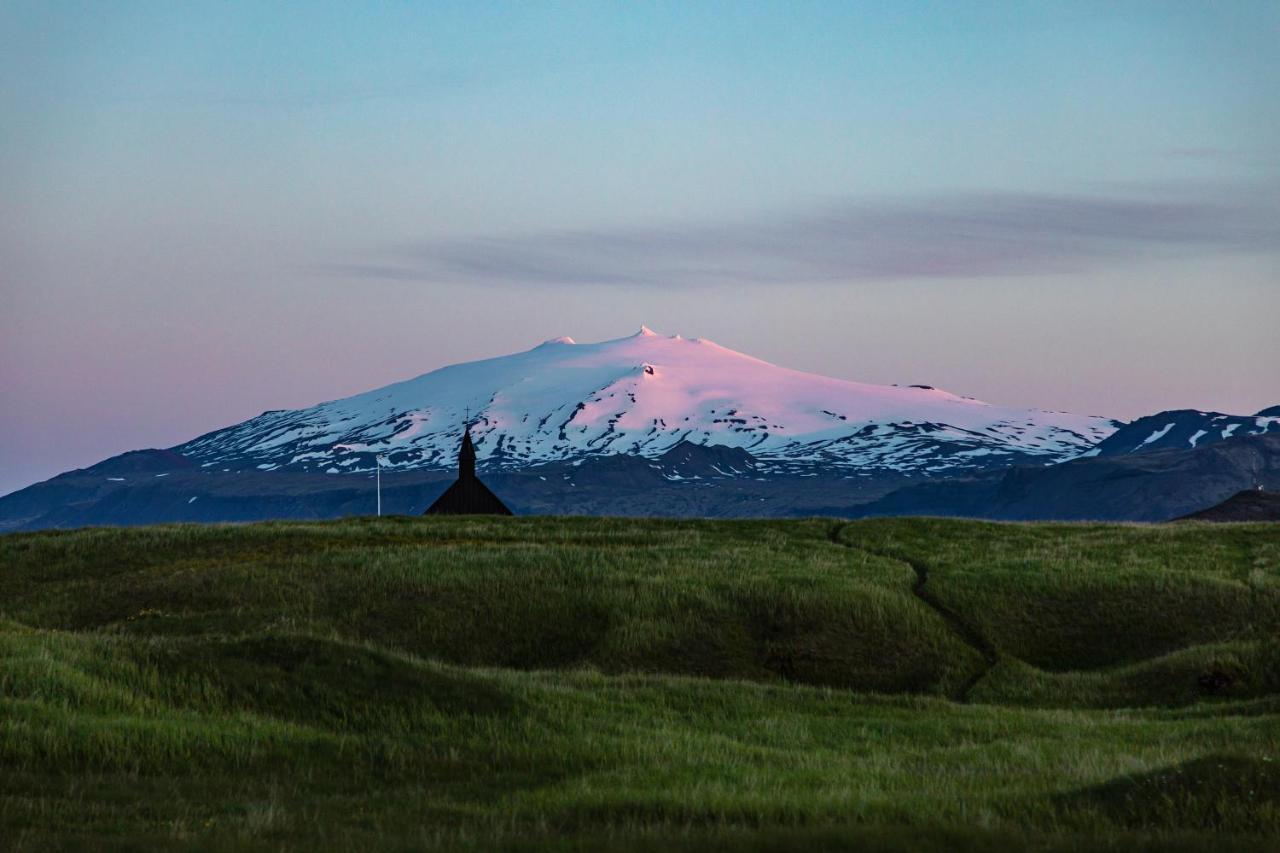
{"x": 400, "y": 683}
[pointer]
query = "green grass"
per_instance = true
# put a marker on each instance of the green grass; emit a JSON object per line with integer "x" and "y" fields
{"x": 590, "y": 683}
{"x": 763, "y": 601}
{"x": 1105, "y": 615}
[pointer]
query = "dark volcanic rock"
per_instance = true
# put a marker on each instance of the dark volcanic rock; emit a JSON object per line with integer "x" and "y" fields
{"x": 616, "y": 471}
{"x": 1249, "y": 505}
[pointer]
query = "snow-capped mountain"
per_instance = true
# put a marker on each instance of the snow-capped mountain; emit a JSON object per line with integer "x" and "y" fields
{"x": 642, "y": 395}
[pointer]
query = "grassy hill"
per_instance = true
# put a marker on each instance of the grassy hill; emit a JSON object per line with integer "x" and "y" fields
{"x": 400, "y": 683}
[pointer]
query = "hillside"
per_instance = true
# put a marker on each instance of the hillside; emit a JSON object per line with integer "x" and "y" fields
{"x": 1156, "y": 485}
{"x": 157, "y": 486}
{"x": 1179, "y": 429}
{"x": 1246, "y": 505}
{"x": 878, "y": 684}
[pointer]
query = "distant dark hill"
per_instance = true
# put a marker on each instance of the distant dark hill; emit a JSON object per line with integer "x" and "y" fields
{"x": 1181, "y": 429}
{"x": 1154, "y": 486}
{"x": 64, "y": 493}
{"x": 137, "y": 491}
{"x": 156, "y": 486}
{"x": 1249, "y": 505}
{"x": 688, "y": 460}
{"x": 139, "y": 462}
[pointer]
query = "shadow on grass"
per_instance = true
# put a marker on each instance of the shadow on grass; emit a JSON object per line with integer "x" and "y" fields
{"x": 1206, "y": 793}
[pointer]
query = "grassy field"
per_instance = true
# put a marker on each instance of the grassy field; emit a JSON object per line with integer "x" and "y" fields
{"x": 527, "y": 683}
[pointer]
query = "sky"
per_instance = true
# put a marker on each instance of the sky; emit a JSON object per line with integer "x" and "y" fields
{"x": 208, "y": 210}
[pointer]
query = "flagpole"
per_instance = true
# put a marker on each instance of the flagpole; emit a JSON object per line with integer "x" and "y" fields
{"x": 377, "y": 463}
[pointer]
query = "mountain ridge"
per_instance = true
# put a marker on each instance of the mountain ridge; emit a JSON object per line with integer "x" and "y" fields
{"x": 689, "y": 480}
{"x": 1182, "y": 428}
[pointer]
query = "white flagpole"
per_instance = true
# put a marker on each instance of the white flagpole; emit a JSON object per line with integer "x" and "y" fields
{"x": 377, "y": 462}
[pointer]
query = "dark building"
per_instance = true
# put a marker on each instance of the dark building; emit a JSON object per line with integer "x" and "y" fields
{"x": 468, "y": 496}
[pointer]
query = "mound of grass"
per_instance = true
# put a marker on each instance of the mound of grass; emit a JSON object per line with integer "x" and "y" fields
{"x": 591, "y": 683}
{"x": 1218, "y": 672}
{"x": 1211, "y": 792}
{"x": 1084, "y": 596}
{"x": 1103, "y": 615}
{"x": 726, "y": 600}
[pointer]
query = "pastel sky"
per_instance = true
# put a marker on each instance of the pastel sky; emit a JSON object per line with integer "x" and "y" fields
{"x": 212, "y": 209}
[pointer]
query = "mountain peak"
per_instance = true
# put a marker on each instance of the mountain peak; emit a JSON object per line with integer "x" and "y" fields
{"x": 640, "y": 396}
{"x": 563, "y": 339}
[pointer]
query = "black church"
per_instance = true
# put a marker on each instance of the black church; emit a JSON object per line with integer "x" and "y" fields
{"x": 468, "y": 496}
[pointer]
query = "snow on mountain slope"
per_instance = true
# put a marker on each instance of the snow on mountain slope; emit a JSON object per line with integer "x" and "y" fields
{"x": 643, "y": 395}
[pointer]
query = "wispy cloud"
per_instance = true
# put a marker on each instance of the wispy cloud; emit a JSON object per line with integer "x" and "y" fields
{"x": 296, "y": 97}
{"x": 963, "y": 235}
{"x": 1198, "y": 152}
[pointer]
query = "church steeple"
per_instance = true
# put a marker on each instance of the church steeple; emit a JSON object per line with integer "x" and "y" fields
{"x": 467, "y": 457}
{"x": 467, "y": 496}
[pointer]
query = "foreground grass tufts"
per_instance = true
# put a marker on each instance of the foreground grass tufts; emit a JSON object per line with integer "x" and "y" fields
{"x": 590, "y": 683}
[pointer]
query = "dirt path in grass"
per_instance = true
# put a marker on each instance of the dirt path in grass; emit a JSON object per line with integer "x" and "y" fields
{"x": 971, "y": 635}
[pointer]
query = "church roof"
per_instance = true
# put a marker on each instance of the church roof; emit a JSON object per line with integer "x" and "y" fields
{"x": 468, "y": 497}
